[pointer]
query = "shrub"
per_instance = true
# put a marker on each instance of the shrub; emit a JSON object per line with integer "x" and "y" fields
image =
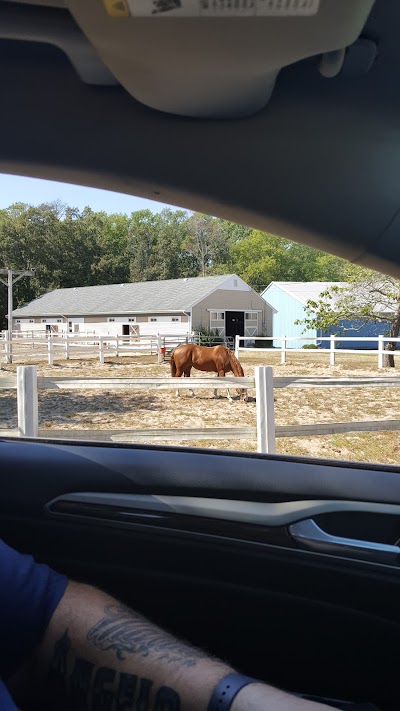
{"x": 209, "y": 337}
{"x": 263, "y": 344}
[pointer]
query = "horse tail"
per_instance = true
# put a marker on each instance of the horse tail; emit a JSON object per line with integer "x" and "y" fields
{"x": 173, "y": 365}
{"x": 237, "y": 369}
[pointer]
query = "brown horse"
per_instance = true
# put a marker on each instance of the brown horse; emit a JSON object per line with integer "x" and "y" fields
{"x": 216, "y": 360}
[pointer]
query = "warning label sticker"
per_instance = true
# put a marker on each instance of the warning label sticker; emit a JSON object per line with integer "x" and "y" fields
{"x": 223, "y": 8}
{"x": 116, "y": 8}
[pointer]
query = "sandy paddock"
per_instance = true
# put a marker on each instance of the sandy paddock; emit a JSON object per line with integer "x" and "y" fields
{"x": 91, "y": 410}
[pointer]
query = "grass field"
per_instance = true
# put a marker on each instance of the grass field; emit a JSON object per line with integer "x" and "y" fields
{"x": 90, "y": 410}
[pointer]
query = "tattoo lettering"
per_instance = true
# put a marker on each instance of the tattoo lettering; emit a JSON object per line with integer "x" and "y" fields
{"x": 143, "y": 699}
{"x": 103, "y": 689}
{"x": 126, "y": 692}
{"x": 58, "y": 664}
{"x": 167, "y": 700}
{"x": 80, "y": 682}
{"x": 125, "y": 632}
{"x": 106, "y": 689}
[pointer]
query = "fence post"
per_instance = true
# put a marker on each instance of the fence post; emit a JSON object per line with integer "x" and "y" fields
{"x": 237, "y": 345}
{"x": 332, "y": 350}
{"x": 101, "y": 350}
{"x": 66, "y": 346}
{"x": 27, "y": 399}
{"x": 283, "y": 350}
{"x": 8, "y": 348}
{"x": 50, "y": 355}
{"x": 117, "y": 346}
{"x": 160, "y": 357}
{"x": 265, "y": 409}
{"x": 381, "y": 351}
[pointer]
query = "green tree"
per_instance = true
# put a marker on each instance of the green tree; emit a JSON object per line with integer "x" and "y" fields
{"x": 302, "y": 263}
{"x": 66, "y": 246}
{"x": 206, "y": 242}
{"x": 257, "y": 258}
{"x": 367, "y": 296}
{"x": 142, "y": 246}
{"x": 112, "y": 265}
{"x": 170, "y": 256}
{"x": 260, "y": 258}
{"x": 26, "y": 239}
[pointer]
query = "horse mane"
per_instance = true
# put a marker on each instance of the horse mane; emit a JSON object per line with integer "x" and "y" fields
{"x": 235, "y": 365}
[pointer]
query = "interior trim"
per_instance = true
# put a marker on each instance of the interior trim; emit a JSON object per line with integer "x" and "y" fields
{"x": 56, "y": 27}
{"x": 249, "y": 512}
{"x": 309, "y": 535}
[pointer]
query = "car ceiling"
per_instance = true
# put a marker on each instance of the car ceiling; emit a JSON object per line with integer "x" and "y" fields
{"x": 317, "y": 164}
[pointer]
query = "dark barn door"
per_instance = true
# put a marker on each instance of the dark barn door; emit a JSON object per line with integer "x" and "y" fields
{"x": 234, "y": 323}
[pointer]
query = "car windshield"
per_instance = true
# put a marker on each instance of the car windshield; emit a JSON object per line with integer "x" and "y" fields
{"x": 110, "y": 298}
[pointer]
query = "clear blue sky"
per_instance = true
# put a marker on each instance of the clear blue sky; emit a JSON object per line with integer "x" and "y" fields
{"x": 14, "y": 188}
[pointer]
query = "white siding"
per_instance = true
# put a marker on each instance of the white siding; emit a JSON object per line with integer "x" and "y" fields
{"x": 38, "y": 324}
{"x": 141, "y": 327}
{"x": 164, "y": 327}
{"x": 121, "y": 319}
{"x": 235, "y": 283}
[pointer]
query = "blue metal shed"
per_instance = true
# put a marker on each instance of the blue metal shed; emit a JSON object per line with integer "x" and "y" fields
{"x": 288, "y": 299}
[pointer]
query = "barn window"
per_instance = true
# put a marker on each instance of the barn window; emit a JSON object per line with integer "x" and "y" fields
{"x": 132, "y": 319}
{"x": 44, "y": 320}
{"x": 31, "y": 320}
{"x": 251, "y": 316}
{"x": 59, "y": 320}
{"x": 217, "y": 316}
{"x": 176, "y": 318}
{"x": 111, "y": 319}
{"x": 18, "y": 320}
{"x": 152, "y": 318}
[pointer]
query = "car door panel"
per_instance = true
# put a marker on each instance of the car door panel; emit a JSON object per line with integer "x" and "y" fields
{"x": 201, "y": 543}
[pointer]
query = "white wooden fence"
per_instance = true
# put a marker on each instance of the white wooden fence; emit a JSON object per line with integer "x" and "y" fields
{"x": 58, "y": 346}
{"x": 27, "y": 384}
{"x": 380, "y": 352}
{"x": 39, "y": 333}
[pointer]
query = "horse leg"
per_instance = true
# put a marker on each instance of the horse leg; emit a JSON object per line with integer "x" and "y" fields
{"x": 178, "y": 375}
{"x": 221, "y": 374}
{"x": 187, "y": 375}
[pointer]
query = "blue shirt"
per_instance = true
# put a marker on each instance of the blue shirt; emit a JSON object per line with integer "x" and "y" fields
{"x": 29, "y": 595}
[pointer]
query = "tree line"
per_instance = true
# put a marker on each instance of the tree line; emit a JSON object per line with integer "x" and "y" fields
{"x": 70, "y": 247}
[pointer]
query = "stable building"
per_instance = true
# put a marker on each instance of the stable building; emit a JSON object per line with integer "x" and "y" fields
{"x": 288, "y": 303}
{"x": 224, "y": 304}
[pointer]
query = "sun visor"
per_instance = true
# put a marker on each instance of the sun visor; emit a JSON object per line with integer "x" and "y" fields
{"x": 213, "y": 58}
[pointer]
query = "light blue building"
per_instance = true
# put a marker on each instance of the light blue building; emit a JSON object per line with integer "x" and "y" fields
{"x": 288, "y": 300}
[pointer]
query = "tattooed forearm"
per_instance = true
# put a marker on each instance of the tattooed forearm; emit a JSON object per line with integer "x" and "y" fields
{"x": 103, "y": 688}
{"x": 125, "y": 633}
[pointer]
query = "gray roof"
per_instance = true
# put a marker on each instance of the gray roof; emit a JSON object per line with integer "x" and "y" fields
{"x": 304, "y": 290}
{"x": 140, "y": 297}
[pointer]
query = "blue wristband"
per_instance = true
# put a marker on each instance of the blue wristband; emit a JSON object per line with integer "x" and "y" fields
{"x": 226, "y": 690}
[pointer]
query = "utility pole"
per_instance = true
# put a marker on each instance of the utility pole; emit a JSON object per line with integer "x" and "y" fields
{"x": 12, "y": 276}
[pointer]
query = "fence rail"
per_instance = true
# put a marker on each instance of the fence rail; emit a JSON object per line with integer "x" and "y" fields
{"x": 27, "y": 384}
{"x": 212, "y": 433}
{"x": 61, "y": 345}
{"x": 380, "y": 352}
{"x": 9, "y": 382}
{"x": 58, "y": 346}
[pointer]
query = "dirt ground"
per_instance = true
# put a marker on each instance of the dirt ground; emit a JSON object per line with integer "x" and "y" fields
{"x": 91, "y": 410}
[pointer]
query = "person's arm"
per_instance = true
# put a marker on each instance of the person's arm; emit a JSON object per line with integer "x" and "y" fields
{"x": 99, "y": 655}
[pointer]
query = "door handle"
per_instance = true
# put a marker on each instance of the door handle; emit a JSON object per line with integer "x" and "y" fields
{"x": 309, "y": 535}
